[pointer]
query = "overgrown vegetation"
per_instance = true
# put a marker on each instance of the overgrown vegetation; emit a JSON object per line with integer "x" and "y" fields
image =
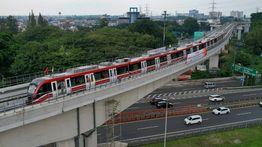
{"x": 41, "y": 45}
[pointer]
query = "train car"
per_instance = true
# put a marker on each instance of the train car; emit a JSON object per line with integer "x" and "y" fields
{"x": 88, "y": 77}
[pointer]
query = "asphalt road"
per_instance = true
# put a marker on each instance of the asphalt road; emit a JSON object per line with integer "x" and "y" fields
{"x": 147, "y": 128}
{"x": 180, "y": 86}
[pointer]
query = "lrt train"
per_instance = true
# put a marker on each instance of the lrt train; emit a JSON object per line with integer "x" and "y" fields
{"x": 87, "y": 77}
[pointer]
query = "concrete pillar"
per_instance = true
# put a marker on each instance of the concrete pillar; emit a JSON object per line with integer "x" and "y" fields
{"x": 211, "y": 28}
{"x": 239, "y": 29}
{"x": 91, "y": 140}
{"x": 66, "y": 143}
{"x": 246, "y": 28}
{"x": 213, "y": 61}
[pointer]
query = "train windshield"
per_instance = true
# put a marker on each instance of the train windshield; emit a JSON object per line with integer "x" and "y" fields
{"x": 33, "y": 85}
{"x": 32, "y": 88}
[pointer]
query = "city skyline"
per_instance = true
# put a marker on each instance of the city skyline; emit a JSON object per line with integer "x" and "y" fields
{"x": 115, "y": 7}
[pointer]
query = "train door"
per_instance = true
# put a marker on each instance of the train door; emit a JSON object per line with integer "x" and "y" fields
{"x": 143, "y": 66}
{"x": 168, "y": 58}
{"x": 191, "y": 50}
{"x": 157, "y": 62}
{"x": 54, "y": 88}
{"x": 113, "y": 75}
{"x": 184, "y": 54}
{"x": 90, "y": 81}
{"x": 68, "y": 85}
{"x": 61, "y": 87}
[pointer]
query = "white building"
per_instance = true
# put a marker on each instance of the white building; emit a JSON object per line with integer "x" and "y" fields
{"x": 237, "y": 14}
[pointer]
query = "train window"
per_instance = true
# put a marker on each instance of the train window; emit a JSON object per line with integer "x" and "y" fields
{"x": 173, "y": 56}
{"x": 180, "y": 54}
{"x": 136, "y": 66}
{"x": 188, "y": 51}
{"x": 77, "y": 80}
{"x": 101, "y": 75}
{"x": 163, "y": 59}
{"x": 122, "y": 70}
{"x": 195, "y": 48}
{"x": 150, "y": 62}
{"x": 54, "y": 85}
{"x": 207, "y": 43}
{"x": 44, "y": 89}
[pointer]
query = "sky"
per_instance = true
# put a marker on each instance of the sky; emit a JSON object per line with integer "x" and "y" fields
{"x": 120, "y": 7}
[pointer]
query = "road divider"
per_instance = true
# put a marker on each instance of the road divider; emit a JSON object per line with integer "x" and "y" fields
{"x": 155, "y": 113}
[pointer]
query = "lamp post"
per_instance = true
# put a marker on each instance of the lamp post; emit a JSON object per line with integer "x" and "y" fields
{"x": 164, "y": 28}
{"x": 165, "y": 124}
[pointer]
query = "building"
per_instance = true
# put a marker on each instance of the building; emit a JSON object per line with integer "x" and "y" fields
{"x": 237, "y": 14}
{"x": 193, "y": 13}
{"x": 132, "y": 16}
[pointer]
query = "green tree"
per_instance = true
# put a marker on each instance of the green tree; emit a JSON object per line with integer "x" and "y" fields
{"x": 9, "y": 25}
{"x": 41, "y": 21}
{"x": 7, "y": 52}
{"x": 103, "y": 22}
{"x": 31, "y": 20}
{"x": 147, "y": 27}
{"x": 190, "y": 26}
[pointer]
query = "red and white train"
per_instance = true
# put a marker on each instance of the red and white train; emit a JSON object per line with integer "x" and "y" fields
{"x": 88, "y": 77}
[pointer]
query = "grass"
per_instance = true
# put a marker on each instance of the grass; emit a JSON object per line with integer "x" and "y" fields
{"x": 247, "y": 137}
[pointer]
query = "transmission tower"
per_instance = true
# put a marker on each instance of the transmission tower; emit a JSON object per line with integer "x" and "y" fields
{"x": 213, "y": 6}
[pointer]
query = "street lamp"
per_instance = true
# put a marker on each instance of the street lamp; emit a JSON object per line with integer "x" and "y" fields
{"x": 165, "y": 124}
{"x": 164, "y": 29}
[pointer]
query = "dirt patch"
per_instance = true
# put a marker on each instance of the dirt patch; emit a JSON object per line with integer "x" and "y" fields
{"x": 237, "y": 141}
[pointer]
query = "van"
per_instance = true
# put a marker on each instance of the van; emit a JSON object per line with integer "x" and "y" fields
{"x": 193, "y": 119}
{"x": 209, "y": 85}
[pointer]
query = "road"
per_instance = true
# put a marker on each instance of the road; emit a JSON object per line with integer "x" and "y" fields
{"x": 155, "y": 127}
{"x": 148, "y": 128}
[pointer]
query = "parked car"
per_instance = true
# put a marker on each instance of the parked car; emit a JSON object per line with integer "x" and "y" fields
{"x": 216, "y": 98}
{"x": 260, "y": 103}
{"x": 221, "y": 110}
{"x": 153, "y": 101}
{"x": 163, "y": 104}
{"x": 208, "y": 85}
{"x": 193, "y": 119}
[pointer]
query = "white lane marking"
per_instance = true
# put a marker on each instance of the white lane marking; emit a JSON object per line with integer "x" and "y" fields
{"x": 175, "y": 93}
{"x": 170, "y": 94}
{"x": 150, "y": 127}
{"x": 159, "y": 95}
{"x": 130, "y": 108}
{"x": 205, "y": 119}
{"x": 246, "y": 113}
{"x": 252, "y": 94}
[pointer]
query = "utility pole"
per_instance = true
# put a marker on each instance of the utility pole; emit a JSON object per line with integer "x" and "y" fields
{"x": 164, "y": 29}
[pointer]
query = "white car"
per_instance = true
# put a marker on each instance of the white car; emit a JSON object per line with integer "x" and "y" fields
{"x": 260, "y": 103}
{"x": 221, "y": 110}
{"x": 193, "y": 119}
{"x": 216, "y": 98}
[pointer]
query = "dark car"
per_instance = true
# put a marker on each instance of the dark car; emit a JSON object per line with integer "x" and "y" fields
{"x": 153, "y": 101}
{"x": 163, "y": 104}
